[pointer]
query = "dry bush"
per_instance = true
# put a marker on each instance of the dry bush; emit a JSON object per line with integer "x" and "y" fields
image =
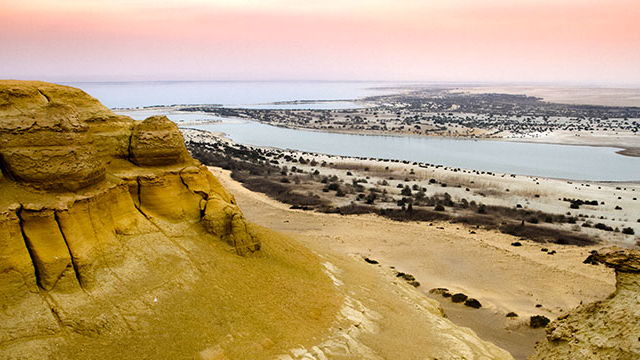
{"x": 487, "y": 221}
{"x": 393, "y": 214}
{"x": 529, "y": 192}
{"x": 281, "y": 192}
{"x": 543, "y": 234}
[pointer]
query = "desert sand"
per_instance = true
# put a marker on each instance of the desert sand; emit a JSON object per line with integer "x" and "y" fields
{"x": 482, "y": 265}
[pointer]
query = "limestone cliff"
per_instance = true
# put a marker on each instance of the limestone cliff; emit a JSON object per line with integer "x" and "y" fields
{"x": 608, "y": 329}
{"x": 56, "y": 139}
{"x": 116, "y": 244}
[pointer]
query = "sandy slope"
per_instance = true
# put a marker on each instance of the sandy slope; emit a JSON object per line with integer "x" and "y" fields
{"x": 482, "y": 265}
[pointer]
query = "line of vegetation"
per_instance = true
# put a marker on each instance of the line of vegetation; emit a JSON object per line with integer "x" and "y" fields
{"x": 258, "y": 170}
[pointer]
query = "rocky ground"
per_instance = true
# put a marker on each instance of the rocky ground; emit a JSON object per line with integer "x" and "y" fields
{"x": 441, "y": 248}
{"x": 606, "y": 329}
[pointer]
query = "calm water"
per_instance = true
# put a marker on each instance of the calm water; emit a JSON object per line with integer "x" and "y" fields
{"x": 556, "y": 161}
{"x": 559, "y": 161}
{"x": 228, "y": 93}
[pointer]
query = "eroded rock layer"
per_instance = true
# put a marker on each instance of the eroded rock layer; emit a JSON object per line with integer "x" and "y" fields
{"x": 78, "y": 182}
{"x": 57, "y": 139}
{"x": 607, "y": 329}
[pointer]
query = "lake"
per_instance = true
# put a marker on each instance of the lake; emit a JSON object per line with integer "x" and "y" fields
{"x": 547, "y": 160}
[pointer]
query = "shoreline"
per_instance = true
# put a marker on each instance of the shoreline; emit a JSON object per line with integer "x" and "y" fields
{"x": 632, "y": 152}
{"x": 539, "y": 197}
{"x": 623, "y": 150}
{"x": 228, "y": 138}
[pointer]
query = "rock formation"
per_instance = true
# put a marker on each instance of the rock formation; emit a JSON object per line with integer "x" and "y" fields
{"x": 607, "y": 329}
{"x": 57, "y": 140}
{"x": 81, "y": 190}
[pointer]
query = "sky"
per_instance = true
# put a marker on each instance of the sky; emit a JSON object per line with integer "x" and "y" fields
{"x": 539, "y": 41}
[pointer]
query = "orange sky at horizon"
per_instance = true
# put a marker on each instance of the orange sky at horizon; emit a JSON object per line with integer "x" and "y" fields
{"x": 563, "y": 41}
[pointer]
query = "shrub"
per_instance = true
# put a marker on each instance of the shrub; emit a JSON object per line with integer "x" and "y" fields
{"x": 371, "y": 198}
{"x": 543, "y": 234}
{"x": 538, "y": 321}
{"x": 281, "y": 192}
{"x": 483, "y": 220}
{"x": 628, "y": 231}
{"x": 601, "y": 226}
{"x": 482, "y": 209}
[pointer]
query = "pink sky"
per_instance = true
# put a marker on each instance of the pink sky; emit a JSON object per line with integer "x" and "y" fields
{"x": 579, "y": 41}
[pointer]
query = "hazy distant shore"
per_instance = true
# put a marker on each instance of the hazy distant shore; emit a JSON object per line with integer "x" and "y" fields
{"x": 603, "y": 96}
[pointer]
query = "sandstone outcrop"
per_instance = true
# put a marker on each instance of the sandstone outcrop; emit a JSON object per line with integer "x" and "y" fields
{"x": 607, "y": 329}
{"x": 79, "y": 187}
{"x": 51, "y": 136}
{"x": 157, "y": 141}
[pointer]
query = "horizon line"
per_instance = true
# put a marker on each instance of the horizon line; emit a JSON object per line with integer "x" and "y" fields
{"x": 597, "y": 84}
{"x": 386, "y": 81}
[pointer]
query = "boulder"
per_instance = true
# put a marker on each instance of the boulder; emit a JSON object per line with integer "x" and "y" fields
{"x": 473, "y": 303}
{"x": 459, "y": 297}
{"x": 157, "y": 141}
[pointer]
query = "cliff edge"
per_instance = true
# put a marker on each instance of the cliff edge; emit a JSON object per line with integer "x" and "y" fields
{"x": 607, "y": 329}
{"x": 110, "y": 230}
